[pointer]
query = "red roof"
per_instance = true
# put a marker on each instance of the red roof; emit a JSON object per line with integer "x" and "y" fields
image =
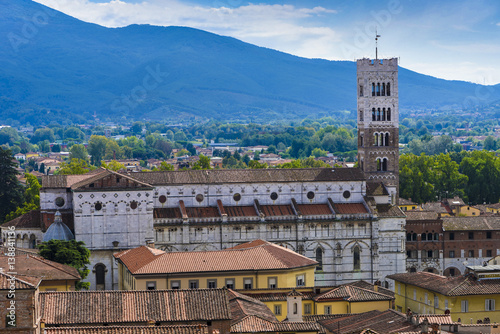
{"x": 277, "y": 210}
{"x": 314, "y": 209}
{"x": 349, "y": 208}
{"x": 240, "y": 211}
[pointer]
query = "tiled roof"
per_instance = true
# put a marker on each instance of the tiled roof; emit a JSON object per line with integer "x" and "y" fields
{"x": 240, "y": 211}
{"x": 22, "y": 282}
{"x": 314, "y": 209}
{"x": 167, "y": 213}
{"x": 389, "y": 321}
{"x": 40, "y": 267}
{"x": 268, "y": 175}
{"x": 376, "y": 189}
{"x": 202, "y": 212}
{"x": 353, "y": 294}
{"x": 255, "y": 324}
{"x": 349, "y": 208}
{"x": 28, "y": 220}
{"x": 369, "y": 286}
{"x": 98, "y": 307}
{"x": 434, "y": 206}
{"x": 277, "y": 210}
{"x": 242, "y": 306}
{"x": 449, "y": 286}
{"x": 175, "y": 329}
{"x": 266, "y": 256}
{"x": 471, "y": 223}
{"x": 387, "y": 210}
{"x": 441, "y": 319}
{"x": 404, "y": 201}
{"x": 421, "y": 215}
{"x": 65, "y": 181}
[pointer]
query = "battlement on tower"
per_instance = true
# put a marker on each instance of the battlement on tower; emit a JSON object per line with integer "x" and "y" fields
{"x": 367, "y": 64}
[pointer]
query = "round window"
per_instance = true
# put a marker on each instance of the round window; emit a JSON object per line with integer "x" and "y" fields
{"x": 274, "y": 196}
{"x": 98, "y": 206}
{"x": 237, "y": 197}
{"x": 310, "y": 195}
{"x": 60, "y": 201}
{"x": 162, "y": 199}
{"x": 133, "y": 205}
{"x": 199, "y": 198}
{"x": 347, "y": 194}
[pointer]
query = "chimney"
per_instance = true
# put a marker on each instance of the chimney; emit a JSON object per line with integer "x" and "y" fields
{"x": 150, "y": 243}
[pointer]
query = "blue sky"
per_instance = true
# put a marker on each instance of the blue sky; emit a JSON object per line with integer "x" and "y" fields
{"x": 455, "y": 40}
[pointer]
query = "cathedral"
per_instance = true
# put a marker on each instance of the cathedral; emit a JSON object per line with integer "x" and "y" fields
{"x": 344, "y": 218}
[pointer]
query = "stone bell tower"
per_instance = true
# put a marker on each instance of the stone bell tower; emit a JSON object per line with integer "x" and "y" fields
{"x": 378, "y": 121}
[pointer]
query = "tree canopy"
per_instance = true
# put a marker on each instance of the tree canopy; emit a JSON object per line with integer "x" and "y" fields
{"x": 11, "y": 191}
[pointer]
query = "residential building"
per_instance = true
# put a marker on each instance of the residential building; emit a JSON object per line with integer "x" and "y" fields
{"x": 253, "y": 265}
{"x": 470, "y": 297}
{"x": 408, "y": 204}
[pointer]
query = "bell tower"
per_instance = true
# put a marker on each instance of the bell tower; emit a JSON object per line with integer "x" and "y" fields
{"x": 378, "y": 121}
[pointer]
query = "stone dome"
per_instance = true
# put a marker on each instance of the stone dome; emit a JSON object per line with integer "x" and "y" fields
{"x": 58, "y": 230}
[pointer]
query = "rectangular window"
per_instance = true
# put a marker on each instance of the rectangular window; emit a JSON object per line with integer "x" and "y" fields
{"x": 465, "y": 306}
{"x": 452, "y": 236}
{"x": 193, "y": 284}
{"x": 489, "y": 305}
{"x": 488, "y": 235}
{"x": 230, "y": 283}
{"x": 212, "y": 284}
{"x": 399, "y": 289}
{"x": 399, "y": 308}
{"x": 307, "y": 308}
{"x": 272, "y": 282}
{"x": 471, "y": 253}
{"x": 489, "y": 253}
{"x": 414, "y": 294}
{"x": 151, "y": 285}
{"x": 248, "y": 283}
{"x": 436, "y": 302}
{"x": 175, "y": 285}
{"x": 471, "y": 235}
{"x": 328, "y": 310}
{"x": 446, "y": 304}
{"x": 426, "y": 300}
{"x": 301, "y": 280}
{"x": 277, "y": 309}
{"x": 452, "y": 253}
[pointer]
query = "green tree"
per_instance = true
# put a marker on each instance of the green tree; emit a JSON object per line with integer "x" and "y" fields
{"x": 490, "y": 143}
{"x": 97, "y": 148}
{"x": 8, "y": 135}
{"x": 113, "y": 165}
{"x": 73, "y": 253}
{"x": 254, "y": 164}
{"x": 11, "y": 194}
{"x": 43, "y": 134}
{"x": 31, "y": 198}
{"x": 74, "y": 166}
{"x": 74, "y": 134}
{"x": 203, "y": 163}
{"x": 78, "y": 151}
{"x": 483, "y": 171}
{"x": 165, "y": 166}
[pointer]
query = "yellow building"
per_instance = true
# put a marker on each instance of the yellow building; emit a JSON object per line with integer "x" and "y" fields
{"x": 253, "y": 265}
{"x": 408, "y": 205}
{"x": 356, "y": 297}
{"x": 55, "y": 276}
{"x": 472, "y": 296}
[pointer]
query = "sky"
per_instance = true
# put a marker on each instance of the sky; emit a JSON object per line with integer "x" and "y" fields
{"x": 449, "y": 39}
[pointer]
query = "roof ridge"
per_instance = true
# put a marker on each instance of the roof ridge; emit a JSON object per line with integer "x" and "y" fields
{"x": 23, "y": 281}
{"x": 49, "y": 263}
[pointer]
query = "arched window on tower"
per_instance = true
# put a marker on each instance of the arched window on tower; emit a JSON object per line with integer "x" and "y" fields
{"x": 378, "y": 89}
{"x": 384, "y": 165}
{"x": 360, "y": 90}
{"x": 378, "y": 114}
{"x": 361, "y": 141}
{"x": 388, "y": 114}
{"x": 376, "y": 139}
{"x": 388, "y": 89}
{"x": 373, "y": 114}
{"x": 383, "y": 89}
{"x": 361, "y": 118}
{"x": 373, "y": 89}
{"x": 100, "y": 276}
{"x": 379, "y": 165}
{"x": 356, "y": 258}
{"x": 319, "y": 258}
{"x": 414, "y": 237}
{"x": 387, "y": 139}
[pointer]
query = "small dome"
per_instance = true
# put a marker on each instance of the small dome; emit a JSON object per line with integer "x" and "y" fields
{"x": 58, "y": 230}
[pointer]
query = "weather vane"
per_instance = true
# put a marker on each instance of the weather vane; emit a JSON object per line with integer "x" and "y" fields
{"x": 376, "y": 44}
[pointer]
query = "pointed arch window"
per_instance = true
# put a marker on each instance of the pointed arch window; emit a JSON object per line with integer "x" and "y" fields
{"x": 319, "y": 258}
{"x": 357, "y": 258}
{"x": 100, "y": 276}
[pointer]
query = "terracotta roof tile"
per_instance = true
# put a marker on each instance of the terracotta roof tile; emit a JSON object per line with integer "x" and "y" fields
{"x": 240, "y": 211}
{"x": 202, "y": 212}
{"x": 242, "y": 306}
{"x": 352, "y": 293}
{"x": 175, "y": 329}
{"x": 22, "y": 282}
{"x": 255, "y": 324}
{"x": 404, "y": 201}
{"x": 349, "y": 208}
{"x": 279, "y": 296}
{"x": 268, "y": 175}
{"x": 387, "y": 210}
{"x": 277, "y": 210}
{"x": 376, "y": 189}
{"x": 421, "y": 215}
{"x": 471, "y": 223}
{"x": 40, "y": 267}
{"x": 265, "y": 256}
{"x": 98, "y": 307}
{"x": 28, "y": 220}
{"x": 441, "y": 319}
{"x": 314, "y": 209}
{"x": 171, "y": 213}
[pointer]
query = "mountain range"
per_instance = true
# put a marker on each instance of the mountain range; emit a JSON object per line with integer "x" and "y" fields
{"x": 56, "y": 67}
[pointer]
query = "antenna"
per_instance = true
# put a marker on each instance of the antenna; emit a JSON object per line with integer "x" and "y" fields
{"x": 376, "y": 44}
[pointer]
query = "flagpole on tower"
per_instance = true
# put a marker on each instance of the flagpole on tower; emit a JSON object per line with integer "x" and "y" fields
{"x": 376, "y": 44}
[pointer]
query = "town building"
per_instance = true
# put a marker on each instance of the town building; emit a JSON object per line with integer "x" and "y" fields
{"x": 470, "y": 297}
